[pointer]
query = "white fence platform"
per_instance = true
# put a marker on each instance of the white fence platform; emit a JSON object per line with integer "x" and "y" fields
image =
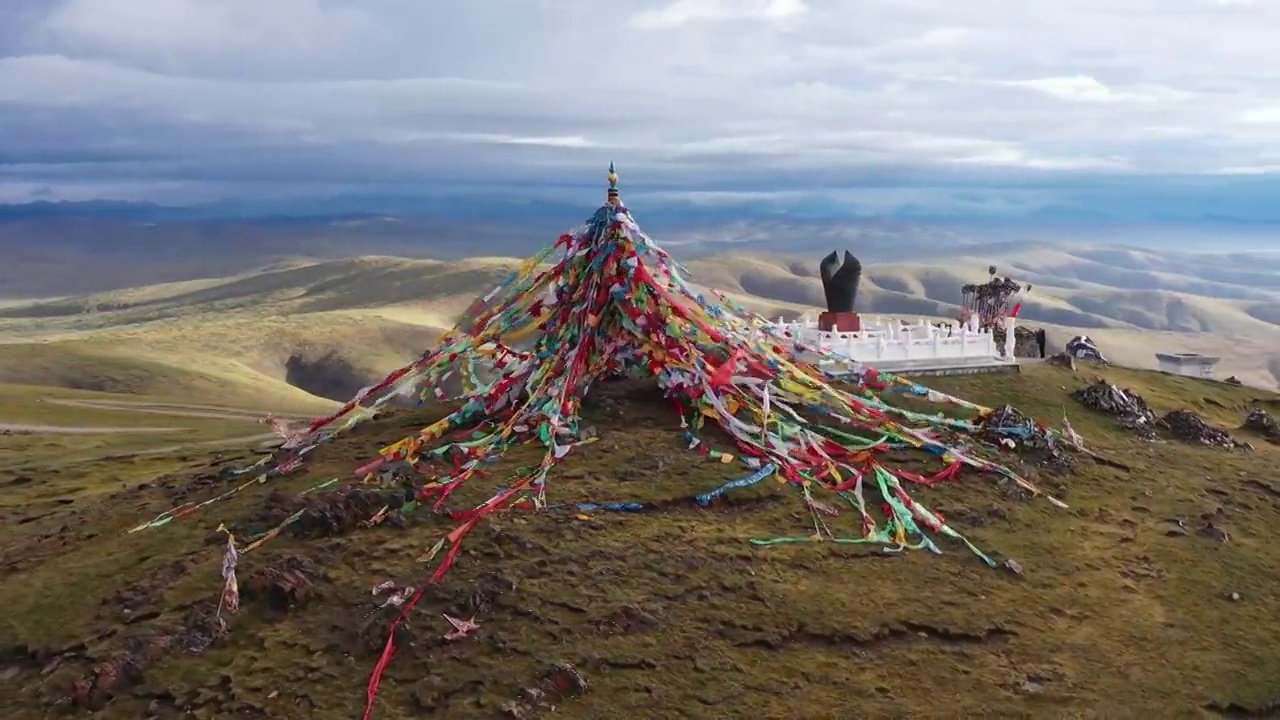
{"x": 921, "y": 346}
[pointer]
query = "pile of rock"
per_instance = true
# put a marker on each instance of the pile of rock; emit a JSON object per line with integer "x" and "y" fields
{"x": 1190, "y": 427}
{"x": 1010, "y": 427}
{"x": 1126, "y": 406}
{"x": 1261, "y": 422}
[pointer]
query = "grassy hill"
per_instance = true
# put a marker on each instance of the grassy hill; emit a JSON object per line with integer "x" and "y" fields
{"x": 302, "y": 330}
{"x": 668, "y": 613}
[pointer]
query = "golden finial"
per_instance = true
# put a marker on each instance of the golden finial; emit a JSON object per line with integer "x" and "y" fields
{"x": 613, "y": 187}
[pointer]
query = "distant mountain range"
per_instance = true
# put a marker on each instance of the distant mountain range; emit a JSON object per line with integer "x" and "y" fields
{"x": 54, "y": 248}
{"x": 1243, "y": 202}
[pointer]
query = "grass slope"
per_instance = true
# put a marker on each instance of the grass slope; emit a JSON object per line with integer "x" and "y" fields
{"x": 671, "y": 613}
{"x": 346, "y": 321}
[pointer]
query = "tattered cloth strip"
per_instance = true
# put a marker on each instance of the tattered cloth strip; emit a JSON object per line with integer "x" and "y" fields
{"x": 1070, "y": 435}
{"x": 230, "y": 599}
{"x": 289, "y": 437}
{"x": 752, "y": 479}
{"x": 604, "y": 301}
{"x": 396, "y": 595}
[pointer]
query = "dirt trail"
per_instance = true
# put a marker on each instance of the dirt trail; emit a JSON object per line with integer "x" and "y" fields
{"x": 223, "y": 442}
{"x": 24, "y": 429}
{"x": 152, "y": 408}
{"x": 171, "y": 409}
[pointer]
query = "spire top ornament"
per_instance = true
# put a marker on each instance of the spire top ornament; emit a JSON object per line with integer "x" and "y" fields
{"x": 613, "y": 198}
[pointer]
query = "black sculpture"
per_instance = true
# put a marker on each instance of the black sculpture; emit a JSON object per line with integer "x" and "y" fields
{"x": 840, "y": 281}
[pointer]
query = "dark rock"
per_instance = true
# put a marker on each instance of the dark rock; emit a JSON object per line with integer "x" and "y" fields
{"x": 628, "y": 618}
{"x": 116, "y": 671}
{"x": 330, "y": 514}
{"x": 566, "y": 680}
{"x": 283, "y": 585}
{"x": 201, "y": 627}
{"x": 1212, "y": 532}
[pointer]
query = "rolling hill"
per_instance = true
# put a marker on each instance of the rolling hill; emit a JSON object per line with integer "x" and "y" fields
{"x": 300, "y": 329}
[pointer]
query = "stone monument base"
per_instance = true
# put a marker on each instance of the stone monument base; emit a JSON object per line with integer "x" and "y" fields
{"x": 839, "y": 322}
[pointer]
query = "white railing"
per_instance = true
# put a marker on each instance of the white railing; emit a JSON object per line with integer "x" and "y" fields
{"x": 890, "y": 340}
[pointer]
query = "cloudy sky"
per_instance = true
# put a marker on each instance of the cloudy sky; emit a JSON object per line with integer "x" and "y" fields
{"x": 176, "y": 100}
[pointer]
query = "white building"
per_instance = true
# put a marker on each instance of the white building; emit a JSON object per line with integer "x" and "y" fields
{"x": 899, "y": 346}
{"x": 1189, "y": 364}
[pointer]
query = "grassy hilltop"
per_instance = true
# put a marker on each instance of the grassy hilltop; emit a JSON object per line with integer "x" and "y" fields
{"x": 1119, "y": 610}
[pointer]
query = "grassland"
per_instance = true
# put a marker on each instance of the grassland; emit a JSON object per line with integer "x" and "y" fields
{"x": 1117, "y": 613}
{"x": 292, "y": 331}
{"x": 54, "y": 425}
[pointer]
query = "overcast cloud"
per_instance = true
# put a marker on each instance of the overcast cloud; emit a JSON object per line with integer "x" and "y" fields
{"x": 168, "y": 98}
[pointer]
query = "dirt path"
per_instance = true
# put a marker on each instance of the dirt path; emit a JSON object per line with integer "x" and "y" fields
{"x": 176, "y": 410}
{"x": 171, "y": 409}
{"x": 23, "y": 429}
{"x": 223, "y": 442}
